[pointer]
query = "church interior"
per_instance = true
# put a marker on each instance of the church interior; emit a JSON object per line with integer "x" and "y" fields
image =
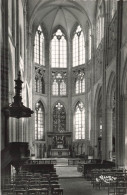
{"x": 63, "y": 97}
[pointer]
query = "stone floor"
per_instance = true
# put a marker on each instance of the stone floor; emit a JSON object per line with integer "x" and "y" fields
{"x": 68, "y": 172}
{"x": 73, "y": 181}
{"x": 79, "y": 186}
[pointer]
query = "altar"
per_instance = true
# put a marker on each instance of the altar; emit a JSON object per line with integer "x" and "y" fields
{"x": 59, "y": 152}
{"x": 59, "y": 144}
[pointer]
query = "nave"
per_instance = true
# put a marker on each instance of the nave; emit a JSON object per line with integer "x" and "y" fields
{"x": 63, "y": 96}
{"x": 62, "y": 178}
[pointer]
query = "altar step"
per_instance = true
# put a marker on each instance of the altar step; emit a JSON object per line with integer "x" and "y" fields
{"x": 68, "y": 172}
{"x": 62, "y": 162}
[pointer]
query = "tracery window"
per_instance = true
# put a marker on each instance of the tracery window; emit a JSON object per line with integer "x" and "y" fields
{"x": 79, "y": 121}
{"x": 100, "y": 24}
{"x": 113, "y": 7}
{"x": 78, "y": 47}
{"x": 59, "y": 84}
{"x": 59, "y": 118}
{"x": 55, "y": 89}
{"x": 39, "y": 85}
{"x": 59, "y": 50}
{"x": 80, "y": 83}
{"x": 39, "y": 121}
{"x": 39, "y": 47}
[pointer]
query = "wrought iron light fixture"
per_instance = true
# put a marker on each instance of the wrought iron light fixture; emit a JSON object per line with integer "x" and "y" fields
{"x": 16, "y": 109}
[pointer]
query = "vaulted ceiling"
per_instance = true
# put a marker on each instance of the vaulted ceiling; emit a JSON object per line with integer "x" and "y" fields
{"x": 61, "y": 12}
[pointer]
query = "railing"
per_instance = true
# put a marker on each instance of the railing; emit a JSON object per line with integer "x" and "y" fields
{"x": 50, "y": 161}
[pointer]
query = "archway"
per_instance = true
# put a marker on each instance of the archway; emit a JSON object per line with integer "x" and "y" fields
{"x": 111, "y": 119}
{"x": 98, "y": 124}
{"x": 123, "y": 148}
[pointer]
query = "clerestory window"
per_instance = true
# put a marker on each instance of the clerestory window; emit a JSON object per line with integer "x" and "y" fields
{"x": 59, "y": 50}
{"x": 39, "y": 47}
{"x": 78, "y": 47}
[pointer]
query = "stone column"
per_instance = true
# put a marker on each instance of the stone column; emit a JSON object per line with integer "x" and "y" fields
{"x": 69, "y": 88}
{"x": 109, "y": 133}
{"x": 125, "y": 125}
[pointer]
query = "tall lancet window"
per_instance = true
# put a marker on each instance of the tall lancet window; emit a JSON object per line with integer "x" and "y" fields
{"x": 39, "y": 47}
{"x": 39, "y": 121}
{"x": 79, "y": 121}
{"x": 80, "y": 83}
{"x": 78, "y": 47}
{"x": 55, "y": 88}
{"x": 99, "y": 24}
{"x": 59, "y": 118}
{"x": 59, "y": 50}
{"x": 62, "y": 88}
{"x": 113, "y": 7}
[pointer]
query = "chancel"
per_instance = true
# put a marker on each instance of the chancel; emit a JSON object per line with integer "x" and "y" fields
{"x": 63, "y": 97}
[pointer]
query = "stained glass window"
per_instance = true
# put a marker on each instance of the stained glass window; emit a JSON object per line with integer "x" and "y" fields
{"x": 59, "y": 118}
{"x": 78, "y": 47}
{"x": 39, "y": 47}
{"x": 79, "y": 121}
{"x": 39, "y": 121}
{"x": 59, "y": 50}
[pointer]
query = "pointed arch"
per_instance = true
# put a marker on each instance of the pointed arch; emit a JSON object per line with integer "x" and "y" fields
{"x": 39, "y": 121}
{"x": 98, "y": 117}
{"x": 110, "y": 90}
{"x": 79, "y": 121}
{"x": 58, "y": 49}
{"x": 100, "y": 12}
{"x": 59, "y": 117}
{"x": 39, "y": 47}
{"x": 78, "y": 46}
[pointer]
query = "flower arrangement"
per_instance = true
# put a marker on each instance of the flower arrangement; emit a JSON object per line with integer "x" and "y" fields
{"x": 106, "y": 179}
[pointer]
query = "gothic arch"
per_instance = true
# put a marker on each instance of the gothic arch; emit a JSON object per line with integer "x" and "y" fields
{"x": 44, "y": 30}
{"x": 110, "y": 89}
{"x": 61, "y": 28}
{"x": 59, "y": 116}
{"x": 74, "y": 29}
{"x": 124, "y": 113}
{"x": 41, "y": 100}
{"x": 99, "y": 87}
{"x": 97, "y": 4}
{"x": 111, "y": 118}
{"x": 98, "y": 122}
{"x": 74, "y": 105}
{"x": 58, "y": 101}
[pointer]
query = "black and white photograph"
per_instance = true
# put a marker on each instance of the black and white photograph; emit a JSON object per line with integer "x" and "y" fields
{"x": 63, "y": 97}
